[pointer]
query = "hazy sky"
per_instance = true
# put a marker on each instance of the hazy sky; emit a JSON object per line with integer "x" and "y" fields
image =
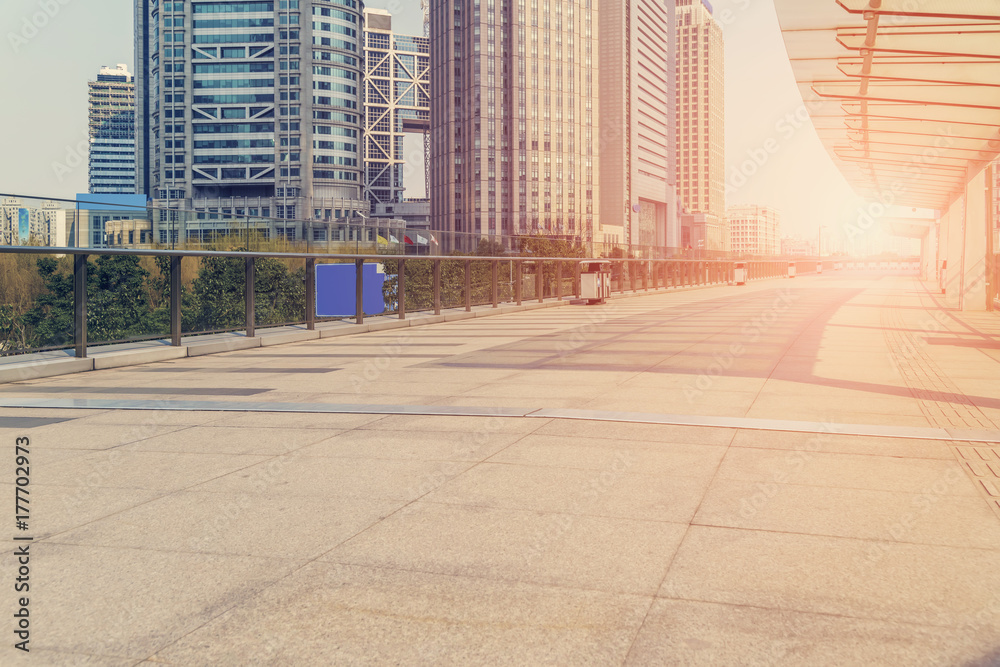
{"x": 44, "y": 72}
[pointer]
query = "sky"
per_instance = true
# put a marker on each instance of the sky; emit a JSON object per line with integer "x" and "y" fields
{"x": 47, "y": 58}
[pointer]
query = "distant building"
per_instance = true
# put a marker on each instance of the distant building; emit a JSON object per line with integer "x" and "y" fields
{"x": 754, "y": 230}
{"x": 106, "y": 221}
{"x": 112, "y": 132}
{"x": 701, "y": 136}
{"x": 250, "y": 111}
{"x": 796, "y": 247}
{"x": 22, "y": 224}
{"x": 514, "y": 123}
{"x": 638, "y": 122}
{"x": 397, "y": 102}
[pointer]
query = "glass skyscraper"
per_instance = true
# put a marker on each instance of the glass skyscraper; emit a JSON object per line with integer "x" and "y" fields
{"x": 251, "y": 109}
{"x": 111, "y": 103}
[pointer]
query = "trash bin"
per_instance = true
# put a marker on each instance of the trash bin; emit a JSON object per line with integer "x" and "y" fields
{"x": 740, "y": 273}
{"x": 595, "y": 280}
{"x": 791, "y": 269}
{"x": 819, "y": 267}
{"x": 838, "y": 266}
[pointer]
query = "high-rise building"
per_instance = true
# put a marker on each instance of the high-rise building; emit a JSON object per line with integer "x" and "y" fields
{"x": 250, "y": 108}
{"x": 24, "y": 224}
{"x": 638, "y": 121}
{"x": 514, "y": 118}
{"x": 396, "y": 103}
{"x": 701, "y": 138}
{"x": 112, "y": 132}
{"x": 754, "y": 230}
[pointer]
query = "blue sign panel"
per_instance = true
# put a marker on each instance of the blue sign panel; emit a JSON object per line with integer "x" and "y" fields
{"x": 23, "y": 225}
{"x": 336, "y": 290}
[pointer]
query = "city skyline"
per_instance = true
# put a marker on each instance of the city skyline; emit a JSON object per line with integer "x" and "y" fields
{"x": 756, "y": 69}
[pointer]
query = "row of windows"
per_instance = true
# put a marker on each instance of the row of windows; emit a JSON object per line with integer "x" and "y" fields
{"x": 335, "y": 175}
{"x": 334, "y": 43}
{"x": 232, "y": 99}
{"x": 227, "y": 7}
{"x": 261, "y": 158}
{"x": 335, "y": 160}
{"x": 233, "y": 68}
{"x": 231, "y": 39}
{"x": 335, "y": 87}
{"x": 236, "y": 143}
{"x": 234, "y": 23}
{"x": 335, "y": 71}
{"x": 235, "y": 83}
{"x": 336, "y": 130}
{"x": 334, "y": 102}
{"x": 335, "y": 146}
{"x": 333, "y": 27}
{"x": 334, "y": 14}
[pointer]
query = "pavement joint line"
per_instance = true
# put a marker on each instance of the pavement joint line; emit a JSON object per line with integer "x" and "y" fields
{"x": 707, "y": 421}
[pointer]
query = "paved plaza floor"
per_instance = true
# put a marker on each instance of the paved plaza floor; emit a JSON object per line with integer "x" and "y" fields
{"x": 793, "y": 472}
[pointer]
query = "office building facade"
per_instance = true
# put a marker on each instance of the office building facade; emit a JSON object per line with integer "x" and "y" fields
{"x": 26, "y": 223}
{"x": 638, "y": 121}
{"x": 701, "y": 149}
{"x": 250, "y": 109}
{"x": 111, "y": 107}
{"x": 514, "y": 119}
{"x": 397, "y": 103}
{"x": 754, "y": 230}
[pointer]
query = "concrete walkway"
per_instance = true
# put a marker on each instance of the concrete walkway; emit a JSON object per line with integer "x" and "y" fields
{"x": 675, "y": 488}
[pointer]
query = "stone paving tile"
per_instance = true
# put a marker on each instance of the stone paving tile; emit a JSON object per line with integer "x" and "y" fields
{"x": 383, "y": 616}
{"x": 297, "y": 476}
{"x": 611, "y": 492}
{"x": 83, "y": 435}
{"x": 923, "y": 518}
{"x": 848, "y": 471}
{"x": 268, "y": 525}
{"x": 417, "y": 445}
{"x": 160, "y": 417}
{"x": 468, "y": 425}
{"x": 129, "y": 603}
{"x": 890, "y": 581}
{"x": 216, "y": 439}
{"x": 649, "y": 458}
{"x": 297, "y": 420}
{"x": 157, "y": 471}
{"x": 613, "y": 555}
{"x": 682, "y": 632}
{"x": 843, "y": 444}
{"x": 56, "y": 509}
{"x": 652, "y": 433}
{"x": 11, "y": 657}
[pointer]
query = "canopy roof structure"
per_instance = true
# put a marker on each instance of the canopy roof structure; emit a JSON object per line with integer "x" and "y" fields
{"x": 905, "y": 94}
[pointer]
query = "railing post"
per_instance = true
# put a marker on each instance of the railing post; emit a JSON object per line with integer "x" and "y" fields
{"x": 175, "y": 300}
{"x": 539, "y": 280}
{"x": 251, "y": 314}
{"x": 401, "y": 289}
{"x": 559, "y": 279}
{"x": 310, "y": 293}
{"x": 468, "y": 285}
{"x": 632, "y": 277}
{"x": 437, "y": 286}
{"x": 576, "y": 279}
{"x": 495, "y": 271}
{"x": 645, "y": 275}
{"x": 517, "y": 281}
{"x": 359, "y": 291}
{"x": 80, "y": 305}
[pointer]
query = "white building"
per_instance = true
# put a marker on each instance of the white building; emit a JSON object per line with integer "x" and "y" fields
{"x": 21, "y": 225}
{"x": 112, "y": 132}
{"x": 754, "y": 230}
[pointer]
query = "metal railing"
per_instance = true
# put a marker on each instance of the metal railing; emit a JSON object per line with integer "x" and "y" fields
{"x": 473, "y": 280}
